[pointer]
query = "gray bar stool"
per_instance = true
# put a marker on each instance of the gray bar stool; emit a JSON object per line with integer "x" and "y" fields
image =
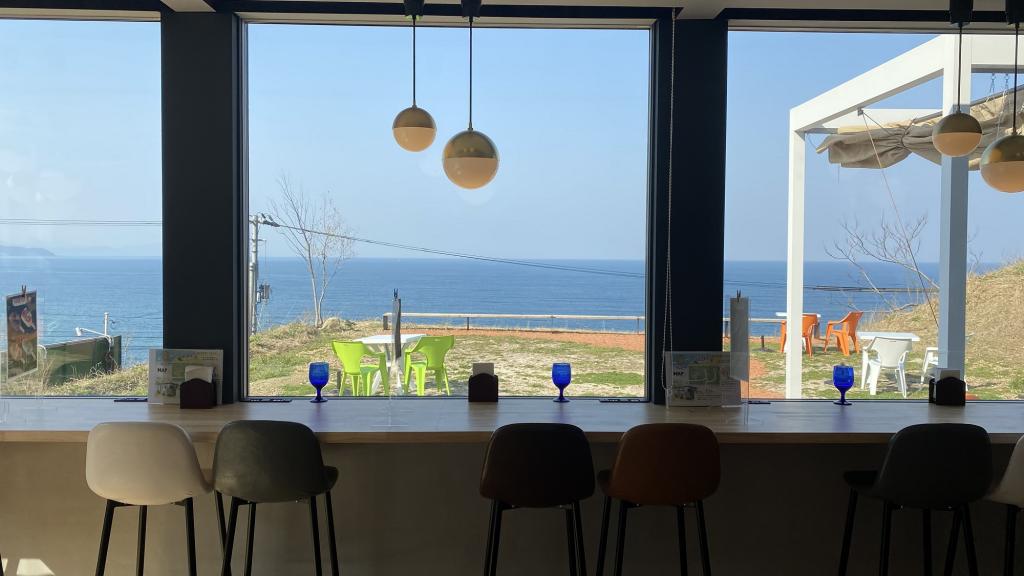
{"x": 538, "y": 466}
{"x": 1010, "y": 491}
{"x": 263, "y": 461}
{"x": 942, "y": 467}
{"x": 143, "y": 464}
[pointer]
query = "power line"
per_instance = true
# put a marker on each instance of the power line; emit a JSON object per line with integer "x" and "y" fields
{"x": 77, "y": 222}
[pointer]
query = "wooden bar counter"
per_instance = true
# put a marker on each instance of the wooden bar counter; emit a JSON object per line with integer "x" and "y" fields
{"x": 452, "y": 421}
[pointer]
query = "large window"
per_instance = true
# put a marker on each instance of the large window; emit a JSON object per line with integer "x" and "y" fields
{"x": 871, "y": 215}
{"x": 545, "y": 263}
{"x": 80, "y": 206}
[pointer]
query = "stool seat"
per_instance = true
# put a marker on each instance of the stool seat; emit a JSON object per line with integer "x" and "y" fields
{"x": 929, "y": 467}
{"x": 676, "y": 465}
{"x": 538, "y": 466}
{"x": 143, "y": 464}
{"x": 264, "y": 461}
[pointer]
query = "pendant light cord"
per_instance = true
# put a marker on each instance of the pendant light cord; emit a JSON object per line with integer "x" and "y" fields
{"x": 470, "y": 72}
{"x": 1016, "y": 39}
{"x": 959, "y": 62}
{"x": 414, "y": 60}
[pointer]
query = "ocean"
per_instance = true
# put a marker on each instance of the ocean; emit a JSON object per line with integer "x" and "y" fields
{"x": 75, "y": 292}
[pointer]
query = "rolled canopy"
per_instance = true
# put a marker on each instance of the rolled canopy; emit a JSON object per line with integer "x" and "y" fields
{"x": 872, "y": 146}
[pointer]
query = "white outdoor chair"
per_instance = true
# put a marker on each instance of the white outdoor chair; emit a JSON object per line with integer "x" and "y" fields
{"x": 931, "y": 358}
{"x": 890, "y": 354}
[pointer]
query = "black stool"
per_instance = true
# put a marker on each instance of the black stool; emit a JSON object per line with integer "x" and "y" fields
{"x": 261, "y": 461}
{"x": 929, "y": 467}
{"x": 538, "y": 466}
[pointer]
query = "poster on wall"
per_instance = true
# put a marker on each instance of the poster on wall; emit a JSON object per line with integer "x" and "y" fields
{"x": 169, "y": 368}
{"x": 22, "y": 334}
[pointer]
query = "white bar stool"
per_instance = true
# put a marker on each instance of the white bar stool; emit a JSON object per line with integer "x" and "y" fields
{"x": 143, "y": 464}
{"x": 1010, "y": 491}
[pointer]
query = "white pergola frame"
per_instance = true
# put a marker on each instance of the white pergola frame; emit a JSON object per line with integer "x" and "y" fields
{"x": 842, "y": 106}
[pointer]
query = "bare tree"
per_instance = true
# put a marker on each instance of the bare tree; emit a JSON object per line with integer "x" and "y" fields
{"x": 315, "y": 230}
{"x": 891, "y": 243}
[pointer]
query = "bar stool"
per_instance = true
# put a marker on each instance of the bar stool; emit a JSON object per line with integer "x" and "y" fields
{"x": 538, "y": 466}
{"x": 263, "y": 461}
{"x": 674, "y": 465}
{"x": 1010, "y": 491}
{"x": 942, "y": 467}
{"x": 143, "y": 464}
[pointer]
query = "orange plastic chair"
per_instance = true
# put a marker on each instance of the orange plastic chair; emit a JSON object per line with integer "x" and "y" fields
{"x": 844, "y": 330}
{"x": 810, "y": 322}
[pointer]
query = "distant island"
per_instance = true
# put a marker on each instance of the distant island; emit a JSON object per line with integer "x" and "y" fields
{"x": 23, "y": 252}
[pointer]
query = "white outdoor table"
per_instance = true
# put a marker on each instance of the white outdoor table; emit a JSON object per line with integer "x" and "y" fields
{"x": 383, "y": 343}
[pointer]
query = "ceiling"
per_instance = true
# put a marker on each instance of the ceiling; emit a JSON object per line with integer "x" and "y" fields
{"x": 923, "y": 15}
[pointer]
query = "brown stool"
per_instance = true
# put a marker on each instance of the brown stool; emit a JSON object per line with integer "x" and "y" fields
{"x": 674, "y": 465}
{"x": 538, "y": 466}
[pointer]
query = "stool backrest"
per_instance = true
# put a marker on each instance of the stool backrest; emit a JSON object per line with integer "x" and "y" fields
{"x": 666, "y": 464}
{"x": 537, "y": 465}
{"x": 936, "y": 466}
{"x": 142, "y": 463}
{"x": 1011, "y": 488}
{"x": 268, "y": 461}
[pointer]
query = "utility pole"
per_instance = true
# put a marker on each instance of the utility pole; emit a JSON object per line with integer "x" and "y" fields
{"x": 257, "y": 292}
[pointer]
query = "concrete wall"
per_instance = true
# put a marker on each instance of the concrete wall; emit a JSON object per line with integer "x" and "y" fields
{"x": 414, "y": 510}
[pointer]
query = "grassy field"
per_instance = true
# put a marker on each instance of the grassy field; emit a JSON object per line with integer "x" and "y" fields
{"x": 612, "y": 364}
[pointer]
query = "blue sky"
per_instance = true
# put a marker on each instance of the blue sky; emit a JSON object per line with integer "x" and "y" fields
{"x": 80, "y": 138}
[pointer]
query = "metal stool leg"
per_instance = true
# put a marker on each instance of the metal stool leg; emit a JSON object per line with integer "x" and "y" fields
{"x": 570, "y": 533}
{"x": 229, "y": 543}
{"x": 883, "y": 560}
{"x": 954, "y": 533}
{"x": 140, "y": 560}
{"x": 219, "y": 498}
{"x": 620, "y": 540}
{"x": 702, "y": 532}
{"x": 332, "y": 545}
{"x": 972, "y": 556}
{"x": 249, "y": 538}
{"x": 317, "y": 562}
{"x": 500, "y": 508}
{"x": 844, "y": 554}
{"x": 1011, "y": 539}
{"x": 581, "y": 555}
{"x": 108, "y": 520}
{"x": 190, "y": 535}
{"x": 602, "y": 544}
{"x": 926, "y": 540}
{"x": 681, "y": 535}
{"x": 490, "y": 538}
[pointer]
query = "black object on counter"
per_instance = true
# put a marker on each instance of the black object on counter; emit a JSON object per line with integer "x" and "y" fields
{"x": 483, "y": 388}
{"x": 197, "y": 393}
{"x": 948, "y": 392}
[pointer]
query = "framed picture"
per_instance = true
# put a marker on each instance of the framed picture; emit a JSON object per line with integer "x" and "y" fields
{"x": 700, "y": 379}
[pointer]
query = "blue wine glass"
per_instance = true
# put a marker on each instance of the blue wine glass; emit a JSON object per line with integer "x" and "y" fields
{"x": 842, "y": 379}
{"x": 319, "y": 375}
{"x": 561, "y": 375}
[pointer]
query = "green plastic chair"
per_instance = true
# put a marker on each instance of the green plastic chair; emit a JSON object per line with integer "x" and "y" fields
{"x": 351, "y": 356}
{"x": 433, "y": 349}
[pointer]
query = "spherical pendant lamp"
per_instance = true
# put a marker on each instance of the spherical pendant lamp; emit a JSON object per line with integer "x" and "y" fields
{"x": 414, "y": 128}
{"x": 1002, "y": 163}
{"x": 957, "y": 134}
{"x": 470, "y": 158}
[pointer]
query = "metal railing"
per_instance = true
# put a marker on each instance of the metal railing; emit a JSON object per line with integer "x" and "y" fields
{"x": 386, "y": 318}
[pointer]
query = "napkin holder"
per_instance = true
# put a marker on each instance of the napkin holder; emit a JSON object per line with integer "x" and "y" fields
{"x": 197, "y": 393}
{"x": 948, "y": 391}
{"x": 483, "y": 387}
